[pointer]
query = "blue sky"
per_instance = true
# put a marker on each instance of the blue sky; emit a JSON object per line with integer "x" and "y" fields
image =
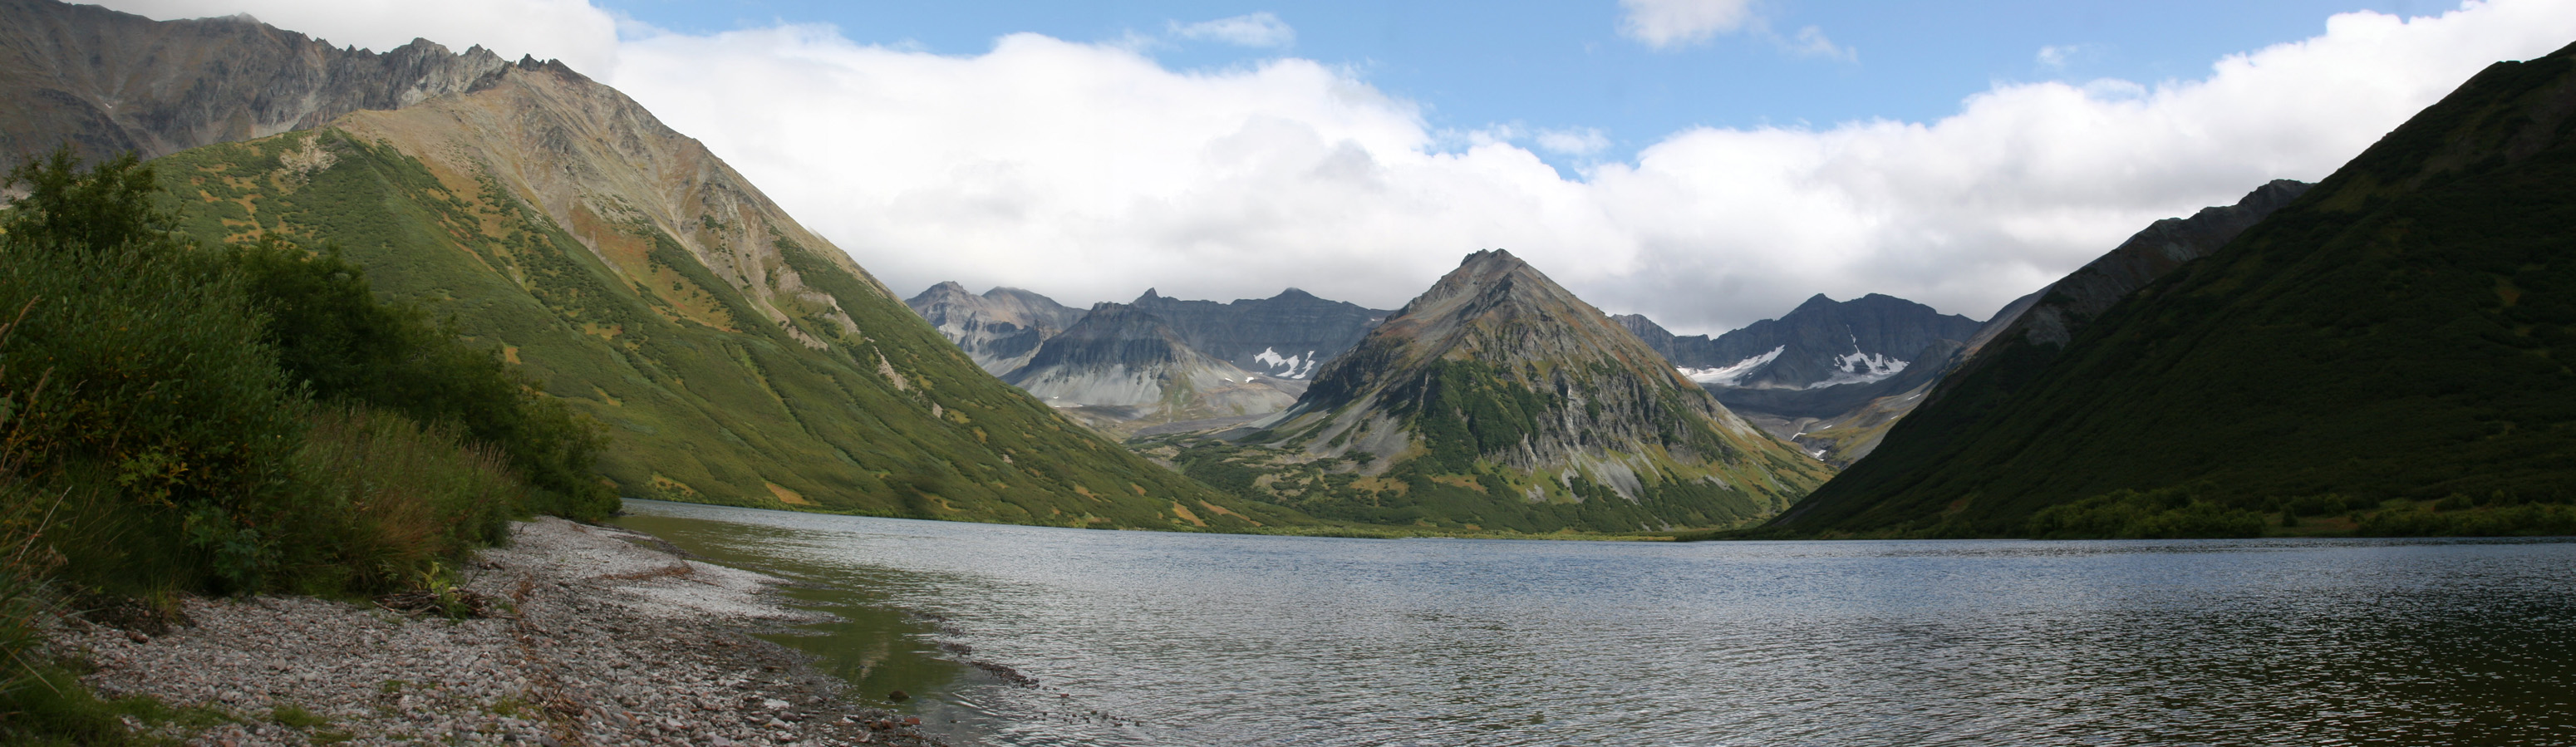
{"x": 1566, "y": 66}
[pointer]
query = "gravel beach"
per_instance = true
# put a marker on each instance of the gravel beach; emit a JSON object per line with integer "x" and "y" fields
{"x": 591, "y": 636}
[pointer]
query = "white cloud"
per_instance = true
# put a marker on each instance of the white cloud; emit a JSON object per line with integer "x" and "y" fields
{"x": 1091, "y": 172}
{"x": 1669, "y": 23}
{"x": 1255, "y": 30}
{"x": 1573, "y": 142}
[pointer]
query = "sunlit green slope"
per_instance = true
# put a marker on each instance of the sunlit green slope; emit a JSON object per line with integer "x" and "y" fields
{"x": 737, "y": 357}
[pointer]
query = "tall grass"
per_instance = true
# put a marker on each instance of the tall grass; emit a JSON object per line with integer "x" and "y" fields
{"x": 397, "y": 497}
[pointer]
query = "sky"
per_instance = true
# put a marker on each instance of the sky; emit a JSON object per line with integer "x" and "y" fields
{"x": 1707, "y": 163}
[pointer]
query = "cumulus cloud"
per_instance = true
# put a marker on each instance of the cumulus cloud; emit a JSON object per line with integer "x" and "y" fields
{"x": 1256, "y": 30}
{"x": 1671, "y": 23}
{"x": 1091, "y": 172}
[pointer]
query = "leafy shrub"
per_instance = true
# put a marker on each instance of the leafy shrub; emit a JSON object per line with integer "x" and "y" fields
{"x": 2170, "y": 513}
{"x": 140, "y": 367}
{"x": 333, "y": 334}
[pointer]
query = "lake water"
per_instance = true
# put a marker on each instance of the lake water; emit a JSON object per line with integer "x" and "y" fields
{"x": 1139, "y": 638}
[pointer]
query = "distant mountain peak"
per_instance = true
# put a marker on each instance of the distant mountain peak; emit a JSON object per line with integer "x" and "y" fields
{"x": 1499, "y": 378}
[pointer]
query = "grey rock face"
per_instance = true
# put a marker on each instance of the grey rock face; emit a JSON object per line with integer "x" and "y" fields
{"x": 110, "y": 82}
{"x": 1125, "y": 364}
{"x": 1000, "y": 329}
{"x": 1289, "y": 335}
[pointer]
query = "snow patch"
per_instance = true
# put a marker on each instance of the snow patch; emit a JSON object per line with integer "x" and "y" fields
{"x": 1287, "y": 366}
{"x": 1733, "y": 375}
{"x": 1861, "y": 368}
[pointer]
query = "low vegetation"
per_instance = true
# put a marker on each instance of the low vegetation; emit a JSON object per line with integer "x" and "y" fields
{"x": 178, "y": 418}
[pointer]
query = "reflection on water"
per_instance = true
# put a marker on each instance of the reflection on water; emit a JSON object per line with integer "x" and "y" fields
{"x": 1179, "y": 639}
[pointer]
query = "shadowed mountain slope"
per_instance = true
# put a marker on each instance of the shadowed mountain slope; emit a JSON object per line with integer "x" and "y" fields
{"x": 1843, "y": 423}
{"x": 1821, "y": 344}
{"x": 2400, "y": 332}
{"x": 1288, "y": 336}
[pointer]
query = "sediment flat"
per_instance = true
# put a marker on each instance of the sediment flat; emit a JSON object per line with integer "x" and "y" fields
{"x": 587, "y": 635}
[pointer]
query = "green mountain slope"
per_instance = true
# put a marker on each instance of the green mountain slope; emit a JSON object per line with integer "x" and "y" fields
{"x": 739, "y": 358}
{"x": 2399, "y": 334}
{"x": 1498, "y": 401}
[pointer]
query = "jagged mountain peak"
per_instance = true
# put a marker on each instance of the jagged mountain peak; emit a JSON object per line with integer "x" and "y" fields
{"x": 1493, "y": 307}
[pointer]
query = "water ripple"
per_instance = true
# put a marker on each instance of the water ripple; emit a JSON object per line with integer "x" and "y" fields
{"x": 1171, "y": 639}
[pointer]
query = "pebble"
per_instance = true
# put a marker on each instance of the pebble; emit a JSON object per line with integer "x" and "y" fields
{"x": 599, "y": 642}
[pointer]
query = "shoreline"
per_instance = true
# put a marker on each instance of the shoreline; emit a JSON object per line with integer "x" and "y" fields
{"x": 590, "y": 635}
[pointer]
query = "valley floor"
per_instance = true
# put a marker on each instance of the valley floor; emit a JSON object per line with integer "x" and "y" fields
{"x": 590, "y": 636}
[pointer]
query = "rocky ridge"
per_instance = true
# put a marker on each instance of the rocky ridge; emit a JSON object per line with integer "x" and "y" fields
{"x": 1000, "y": 329}
{"x": 1288, "y": 336}
{"x": 111, "y": 83}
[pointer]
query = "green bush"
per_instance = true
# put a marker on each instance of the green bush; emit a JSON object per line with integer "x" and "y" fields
{"x": 2171, "y": 513}
{"x": 140, "y": 368}
{"x": 333, "y": 334}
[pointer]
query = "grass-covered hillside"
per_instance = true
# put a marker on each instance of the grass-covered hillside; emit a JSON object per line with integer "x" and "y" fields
{"x": 2388, "y": 354}
{"x": 735, "y": 357}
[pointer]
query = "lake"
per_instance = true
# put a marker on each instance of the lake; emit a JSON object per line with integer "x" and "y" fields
{"x": 1090, "y": 637}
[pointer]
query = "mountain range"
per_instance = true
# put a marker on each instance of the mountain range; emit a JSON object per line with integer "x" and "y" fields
{"x": 735, "y": 356}
{"x": 1498, "y": 400}
{"x": 1822, "y": 361}
{"x": 1123, "y": 368}
{"x": 1222, "y": 364}
{"x": 2387, "y": 351}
